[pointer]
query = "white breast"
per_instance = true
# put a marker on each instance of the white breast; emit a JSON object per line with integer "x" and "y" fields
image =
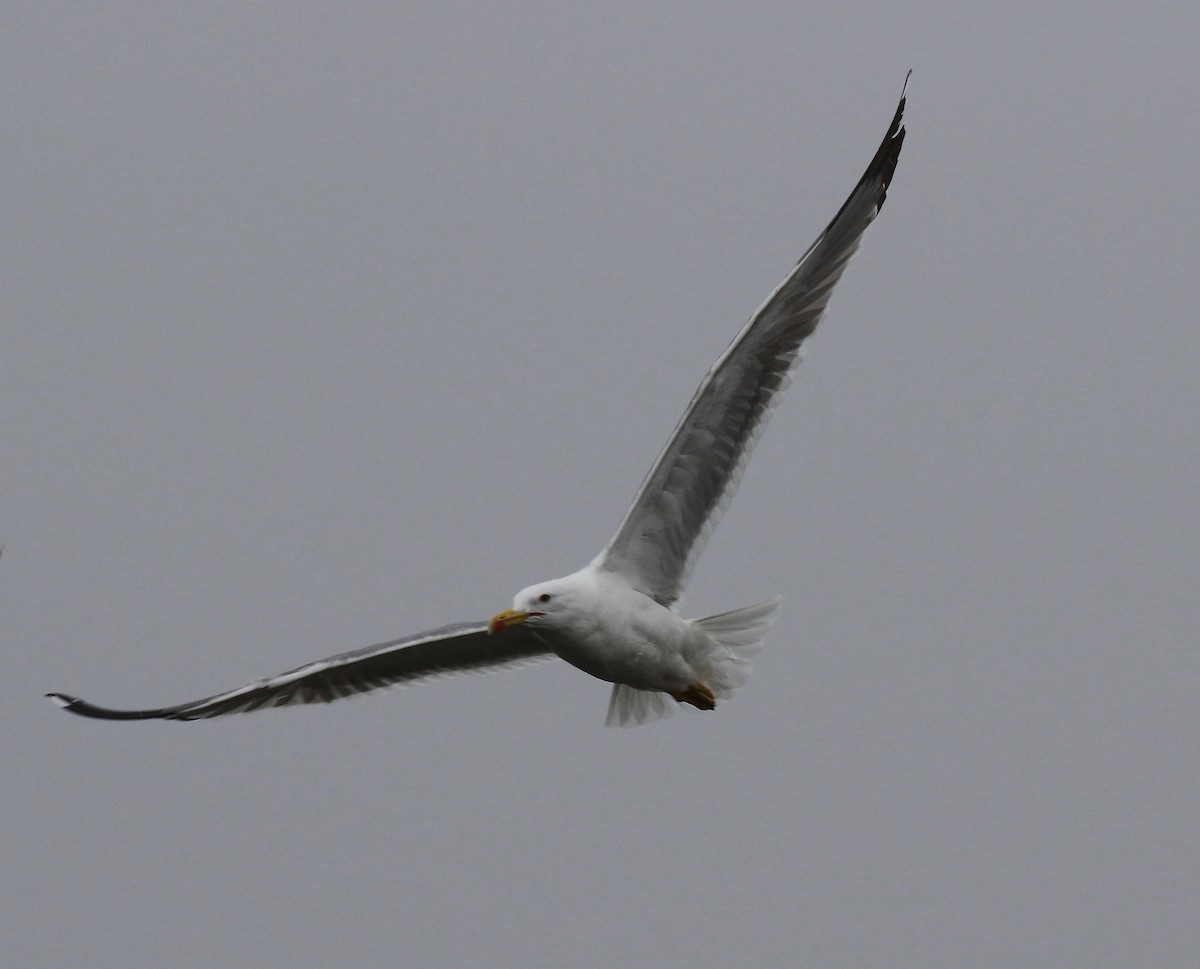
{"x": 622, "y": 636}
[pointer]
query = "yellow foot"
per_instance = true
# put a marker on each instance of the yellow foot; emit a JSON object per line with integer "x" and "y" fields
{"x": 699, "y": 696}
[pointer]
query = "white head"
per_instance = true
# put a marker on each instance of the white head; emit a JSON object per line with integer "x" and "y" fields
{"x": 546, "y": 605}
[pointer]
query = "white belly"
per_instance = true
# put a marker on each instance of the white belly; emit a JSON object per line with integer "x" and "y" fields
{"x": 644, "y": 645}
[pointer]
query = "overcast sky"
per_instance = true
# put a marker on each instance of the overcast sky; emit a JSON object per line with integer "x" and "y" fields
{"x": 325, "y": 323}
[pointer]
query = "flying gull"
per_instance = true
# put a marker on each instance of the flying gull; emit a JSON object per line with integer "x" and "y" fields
{"x": 616, "y": 618}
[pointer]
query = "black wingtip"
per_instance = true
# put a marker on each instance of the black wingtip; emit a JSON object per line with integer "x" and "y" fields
{"x": 883, "y": 165}
{"x": 81, "y": 708}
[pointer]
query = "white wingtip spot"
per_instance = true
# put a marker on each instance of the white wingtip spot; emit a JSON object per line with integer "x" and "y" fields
{"x": 59, "y": 700}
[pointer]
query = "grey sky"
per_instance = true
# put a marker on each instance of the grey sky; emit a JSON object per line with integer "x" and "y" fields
{"x": 325, "y": 324}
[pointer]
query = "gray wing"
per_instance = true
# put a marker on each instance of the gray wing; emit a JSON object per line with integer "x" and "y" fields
{"x": 695, "y": 476}
{"x": 457, "y": 648}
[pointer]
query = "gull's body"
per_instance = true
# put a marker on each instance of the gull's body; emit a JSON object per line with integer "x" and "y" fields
{"x": 616, "y": 618}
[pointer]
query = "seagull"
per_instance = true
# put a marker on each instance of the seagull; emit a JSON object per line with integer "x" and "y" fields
{"x": 617, "y": 618}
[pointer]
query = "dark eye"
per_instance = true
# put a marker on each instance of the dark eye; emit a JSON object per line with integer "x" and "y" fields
{"x": 544, "y": 597}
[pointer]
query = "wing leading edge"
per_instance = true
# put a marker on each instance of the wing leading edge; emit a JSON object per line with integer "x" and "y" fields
{"x": 462, "y": 647}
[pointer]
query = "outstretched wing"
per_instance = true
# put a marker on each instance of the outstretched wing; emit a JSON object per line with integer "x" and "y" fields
{"x": 450, "y": 649}
{"x": 695, "y": 476}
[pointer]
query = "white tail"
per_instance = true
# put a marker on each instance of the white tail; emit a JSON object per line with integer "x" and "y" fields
{"x": 723, "y": 665}
{"x": 628, "y": 707}
{"x": 738, "y": 634}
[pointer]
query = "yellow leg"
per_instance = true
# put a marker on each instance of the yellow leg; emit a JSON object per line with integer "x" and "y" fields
{"x": 699, "y": 696}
